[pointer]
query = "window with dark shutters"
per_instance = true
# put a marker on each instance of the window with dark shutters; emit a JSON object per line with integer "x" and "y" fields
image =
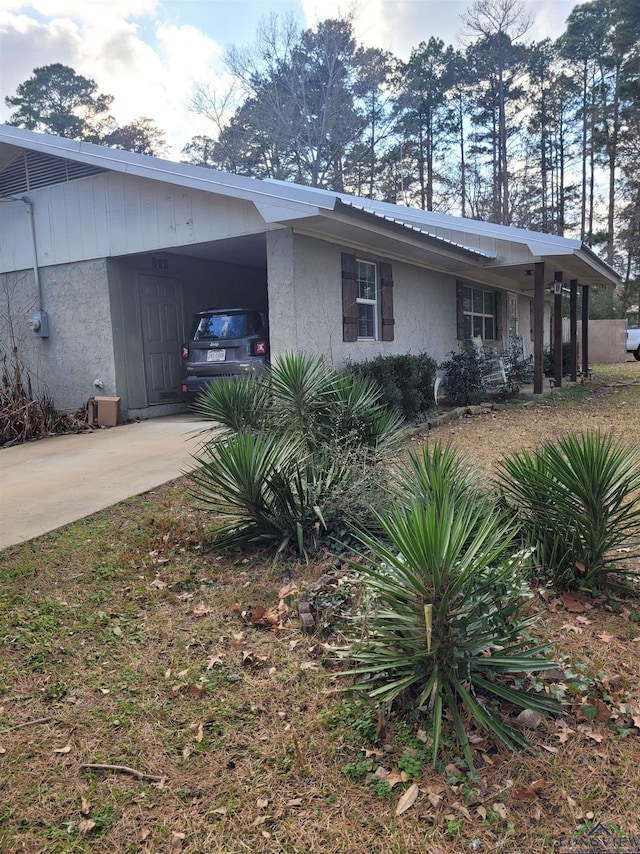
{"x": 361, "y": 315}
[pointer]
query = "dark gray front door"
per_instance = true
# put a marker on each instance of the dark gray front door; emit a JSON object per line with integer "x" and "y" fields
{"x": 161, "y": 314}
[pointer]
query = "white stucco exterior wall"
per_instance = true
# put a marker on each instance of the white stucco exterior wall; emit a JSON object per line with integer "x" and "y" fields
{"x": 305, "y": 303}
{"x": 79, "y": 348}
{"x": 283, "y": 291}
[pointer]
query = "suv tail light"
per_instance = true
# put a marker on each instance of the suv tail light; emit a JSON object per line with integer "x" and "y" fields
{"x": 259, "y": 348}
{"x": 184, "y": 351}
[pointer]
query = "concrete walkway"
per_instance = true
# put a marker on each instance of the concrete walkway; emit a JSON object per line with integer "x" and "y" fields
{"x": 52, "y": 482}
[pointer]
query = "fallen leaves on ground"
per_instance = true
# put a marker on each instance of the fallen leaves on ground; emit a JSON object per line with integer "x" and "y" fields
{"x": 408, "y": 799}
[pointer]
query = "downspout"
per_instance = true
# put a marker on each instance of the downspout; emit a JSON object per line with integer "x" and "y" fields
{"x": 34, "y": 250}
{"x": 38, "y": 322}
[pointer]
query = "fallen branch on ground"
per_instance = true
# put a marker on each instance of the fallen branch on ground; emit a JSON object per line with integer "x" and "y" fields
{"x": 123, "y": 769}
{"x": 26, "y": 723}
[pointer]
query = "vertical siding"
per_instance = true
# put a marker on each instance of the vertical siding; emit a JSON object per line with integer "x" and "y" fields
{"x": 117, "y": 214}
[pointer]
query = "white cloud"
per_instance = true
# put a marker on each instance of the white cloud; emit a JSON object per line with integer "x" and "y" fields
{"x": 84, "y": 10}
{"x": 550, "y": 18}
{"x": 400, "y": 25}
{"x": 149, "y": 63}
{"x": 27, "y": 44}
{"x": 394, "y": 25}
{"x": 145, "y": 79}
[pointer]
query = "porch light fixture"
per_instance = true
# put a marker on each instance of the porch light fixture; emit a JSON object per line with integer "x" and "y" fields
{"x": 555, "y": 287}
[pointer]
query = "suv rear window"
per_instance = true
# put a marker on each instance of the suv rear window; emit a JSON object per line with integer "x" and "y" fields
{"x": 217, "y": 327}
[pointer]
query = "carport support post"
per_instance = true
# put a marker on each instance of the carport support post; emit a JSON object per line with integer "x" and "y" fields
{"x": 538, "y": 327}
{"x": 558, "y": 368}
{"x": 573, "y": 329}
{"x": 585, "y": 330}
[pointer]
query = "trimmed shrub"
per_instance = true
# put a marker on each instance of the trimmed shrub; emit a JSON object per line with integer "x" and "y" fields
{"x": 467, "y": 372}
{"x": 405, "y": 381}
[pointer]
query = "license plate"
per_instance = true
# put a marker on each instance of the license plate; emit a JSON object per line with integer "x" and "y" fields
{"x": 216, "y": 355}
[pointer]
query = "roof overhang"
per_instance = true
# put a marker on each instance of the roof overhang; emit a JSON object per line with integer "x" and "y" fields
{"x": 276, "y": 203}
{"x": 356, "y": 229}
{"x": 572, "y": 257}
{"x": 581, "y": 265}
{"x": 484, "y": 251}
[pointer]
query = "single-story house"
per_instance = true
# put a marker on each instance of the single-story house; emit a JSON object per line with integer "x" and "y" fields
{"x": 105, "y": 256}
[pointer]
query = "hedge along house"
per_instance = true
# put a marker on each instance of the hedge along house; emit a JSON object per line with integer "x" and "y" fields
{"x": 105, "y": 256}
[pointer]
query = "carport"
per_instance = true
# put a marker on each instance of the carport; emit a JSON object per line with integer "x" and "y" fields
{"x": 153, "y": 298}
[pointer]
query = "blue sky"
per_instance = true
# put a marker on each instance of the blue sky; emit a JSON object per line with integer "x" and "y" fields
{"x": 150, "y": 53}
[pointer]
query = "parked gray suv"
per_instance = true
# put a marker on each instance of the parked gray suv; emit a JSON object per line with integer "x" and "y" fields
{"x": 224, "y": 343}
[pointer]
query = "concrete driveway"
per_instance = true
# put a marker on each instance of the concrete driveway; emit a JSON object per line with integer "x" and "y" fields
{"x": 52, "y": 482}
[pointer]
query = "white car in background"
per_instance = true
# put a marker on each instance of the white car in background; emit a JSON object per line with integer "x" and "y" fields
{"x": 633, "y": 342}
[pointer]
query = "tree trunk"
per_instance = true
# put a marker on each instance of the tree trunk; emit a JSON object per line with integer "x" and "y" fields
{"x": 463, "y": 167}
{"x": 583, "y": 197}
{"x": 421, "y": 165}
{"x": 613, "y": 156}
{"x": 429, "y": 161}
{"x": 502, "y": 153}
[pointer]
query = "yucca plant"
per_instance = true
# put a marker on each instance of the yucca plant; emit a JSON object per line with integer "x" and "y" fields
{"x": 301, "y": 387}
{"x": 302, "y": 396}
{"x": 268, "y": 487}
{"x": 433, "y": 474}
{"x": 297, "y": 449}
{"x": 578, "y": 500}
{"x": 446, "y": 624}
{"x": 235, "y": 405}
{"x": 354, "y": 414}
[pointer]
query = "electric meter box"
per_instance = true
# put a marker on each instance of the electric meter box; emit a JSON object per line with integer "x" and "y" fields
{"x": 39, "y": 324}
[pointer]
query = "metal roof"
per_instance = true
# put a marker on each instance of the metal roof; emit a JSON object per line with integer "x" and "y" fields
{"x": 283, "y": 202}
{"x": 364, "y": 208}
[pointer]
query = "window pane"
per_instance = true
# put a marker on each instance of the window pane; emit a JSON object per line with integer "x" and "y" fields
{"x": 477, "y": 326}
{"x": 478, "y": 305}
{"x": 222, "y": 326}
{"x": 488, "y": 328}
{"x": 466, "y": 299}
{"x": 467, "y": 326}
{"x": 366, "y": 324}
{"x": 366, "y": 280}
{"x": 488, "y": 302}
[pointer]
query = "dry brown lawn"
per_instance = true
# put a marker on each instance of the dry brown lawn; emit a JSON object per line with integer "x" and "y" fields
{"x": 126, "y": 641}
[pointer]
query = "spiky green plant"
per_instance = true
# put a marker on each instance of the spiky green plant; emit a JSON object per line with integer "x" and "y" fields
{"x": 269, "y": 488}
{"x": 433, "y": 474}
{"x": 354, "y": 414}
{"x": 301, "y": 387}
{"x": 298, "y": 448}
{"x": 446, "y": 624}
{"x": 234, "y": 405}
{"x": 302, "y": 396}
{"x": 578, "y": 501}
